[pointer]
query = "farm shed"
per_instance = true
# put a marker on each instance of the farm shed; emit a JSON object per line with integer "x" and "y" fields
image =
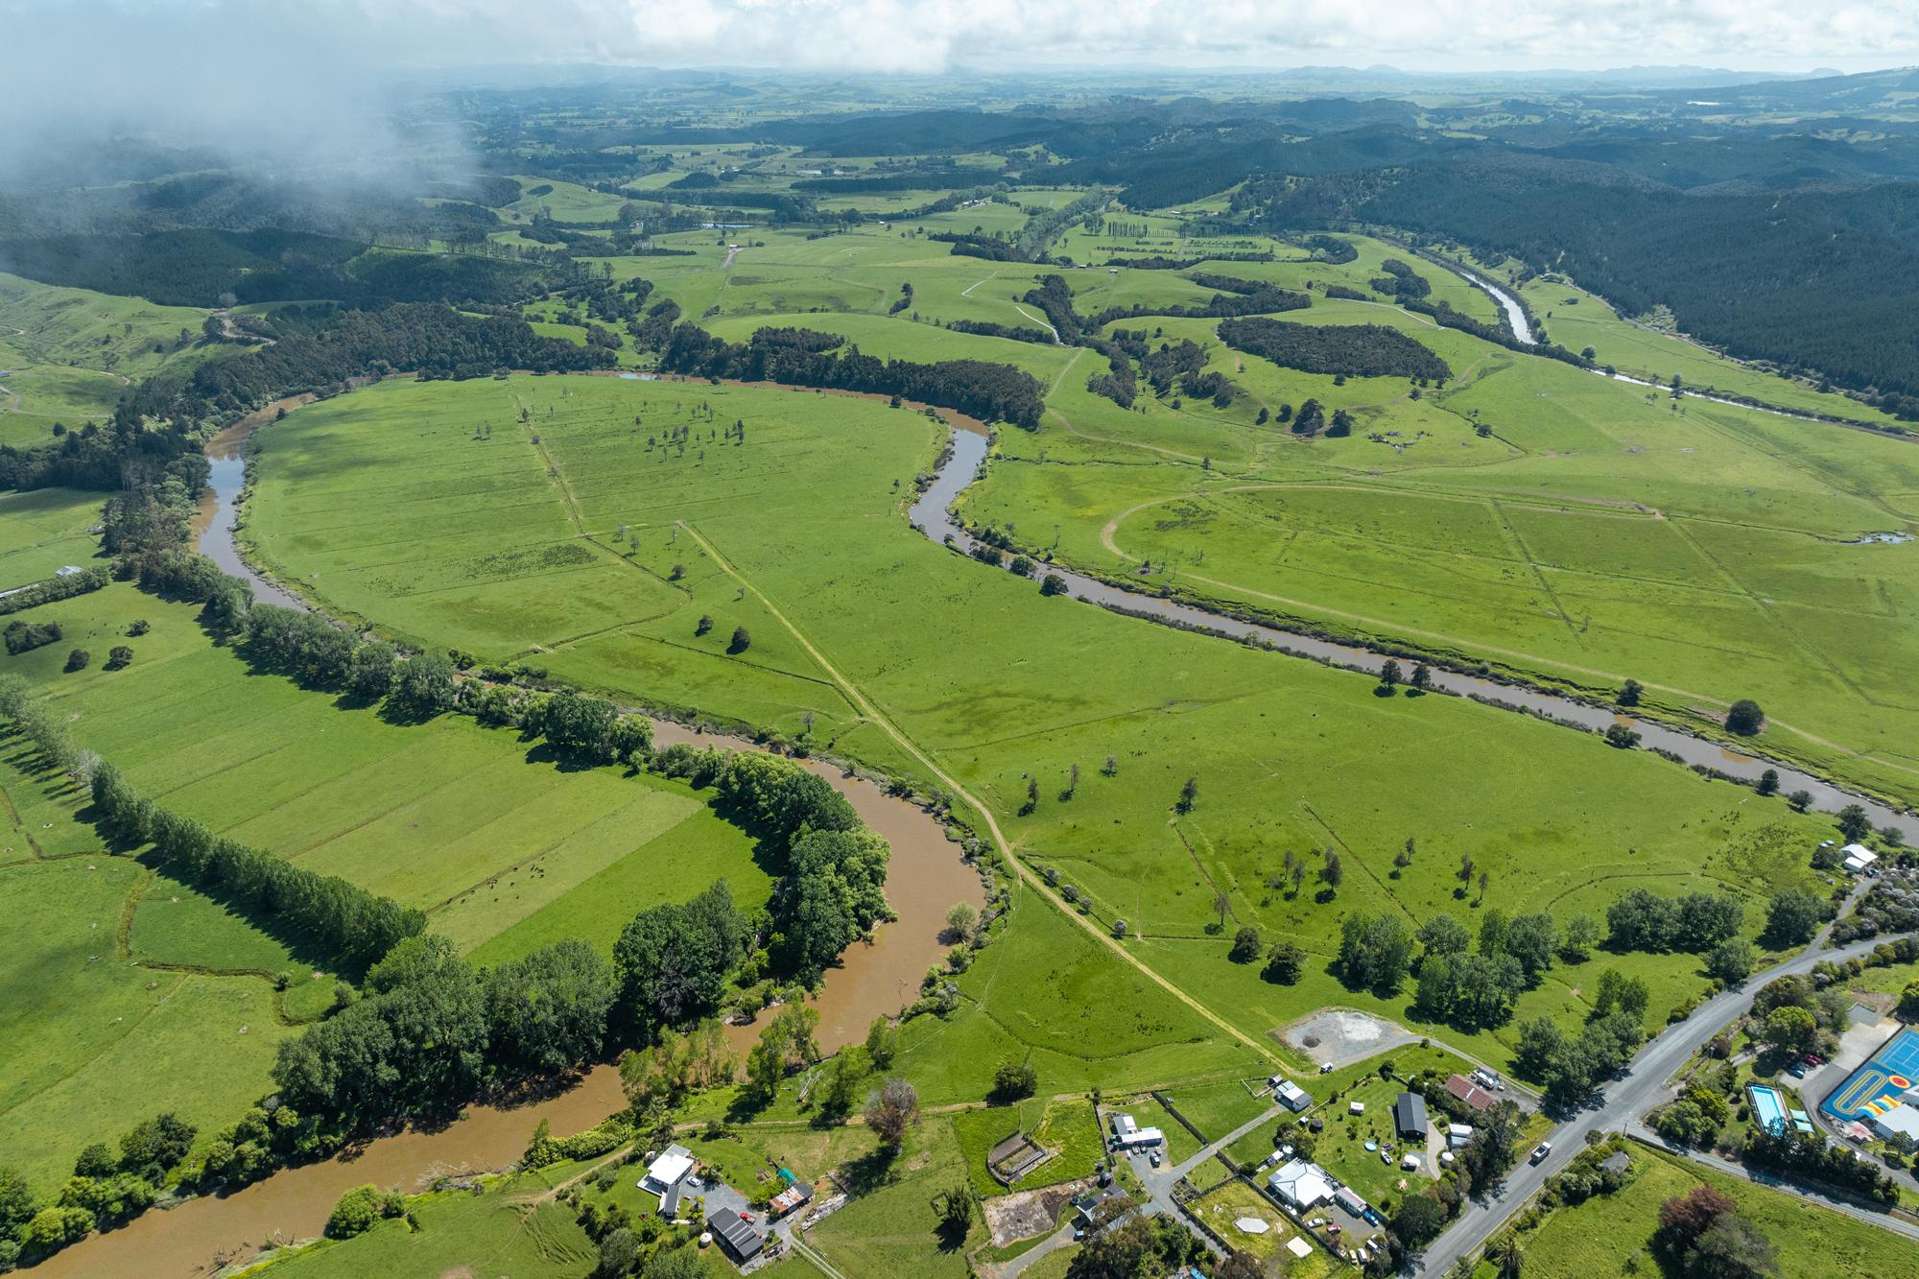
{"x": 1409, "y": 1115}
{"x": 738, "y": 1238}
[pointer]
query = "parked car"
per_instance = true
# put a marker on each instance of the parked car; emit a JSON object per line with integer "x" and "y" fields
{"x": 1540, "y": 1151}
{"x": 1154, "y": 1158}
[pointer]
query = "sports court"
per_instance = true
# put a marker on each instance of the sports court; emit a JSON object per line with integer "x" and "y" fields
{"x": 1879, "y": 1084}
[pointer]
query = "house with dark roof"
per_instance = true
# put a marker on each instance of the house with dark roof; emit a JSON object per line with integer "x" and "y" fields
{"x": 741, "y": 1241}
{"x": 1409, "y": 1115}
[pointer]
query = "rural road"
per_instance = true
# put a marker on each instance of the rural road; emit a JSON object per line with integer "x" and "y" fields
{"x": 1618, "y": 1106}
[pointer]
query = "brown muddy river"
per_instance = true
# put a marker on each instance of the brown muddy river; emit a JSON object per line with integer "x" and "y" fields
{"x": 197, "y": 1238}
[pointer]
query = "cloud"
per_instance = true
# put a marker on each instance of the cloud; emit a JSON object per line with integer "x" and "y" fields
{"x": 312, "y": 78}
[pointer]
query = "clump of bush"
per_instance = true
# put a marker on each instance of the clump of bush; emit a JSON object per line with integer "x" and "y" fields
{"x": 359, "y": 1208}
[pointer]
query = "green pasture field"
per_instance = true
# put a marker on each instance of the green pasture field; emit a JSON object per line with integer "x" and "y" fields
{"x": 105, "y": 1041}
{"x": 177, "y": 926}
{"x": 496, "y": 842}
{"x": 511, "y": 561}
{"x": 1218, "y": 1108}
{"x": 1598, "y": 533}
{"x": 900, "y": 338}
{"x": 45, "y": 531}
{"x": 566, "y": 202}
{"x": 1045, "y": 993}
{"x": 1611, "y": 1235}
{"x": 504, "y": 853}
{"x": 67, "y": 354}
{"x": 1292, "y": 267}
{"x": 1001, "y": 685}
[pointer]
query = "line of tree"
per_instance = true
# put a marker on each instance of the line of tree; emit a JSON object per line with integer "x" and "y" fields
{"x": 1013, "y": 332}
{"x": 989, "y": 391}
{"x": 352, "y": 927}
{"x": 917, "y": 179}
{"x": 1157, "y": 263}
{"x": 1054, "y": 296}
{"x": 967, "y": 244}
{"x": 1641, "y": 920}
{"x": 60, "y": 587}
{"x": 1808, "y": 1155}
{"x": 430, "y": 1033}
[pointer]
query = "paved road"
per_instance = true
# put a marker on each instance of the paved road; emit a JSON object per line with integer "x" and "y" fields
{"x": 1619, "y": 1103}
{"x": 1884, "y": 1221}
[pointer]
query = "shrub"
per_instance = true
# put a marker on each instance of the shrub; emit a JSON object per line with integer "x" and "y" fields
{"x": 1013, "y": 1081}
{"x": 119, "y": 657}
{"x": 24, "y": 637}
{"x": 359, "y": 1208}
{"x": 77, "y": 660}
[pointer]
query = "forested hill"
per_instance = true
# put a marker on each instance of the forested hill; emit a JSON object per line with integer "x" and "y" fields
{"x": 161, "y": 421}
{"x": 210, "y": 268}
{"x": 1817, "y": 279}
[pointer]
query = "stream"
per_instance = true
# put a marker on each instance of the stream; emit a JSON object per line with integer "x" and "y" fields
{"x": 932, "y": 515}
{"x": 219, "y": 515}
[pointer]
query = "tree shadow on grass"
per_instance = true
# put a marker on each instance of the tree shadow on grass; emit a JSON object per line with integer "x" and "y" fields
{"x": 869, "y": 1172}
